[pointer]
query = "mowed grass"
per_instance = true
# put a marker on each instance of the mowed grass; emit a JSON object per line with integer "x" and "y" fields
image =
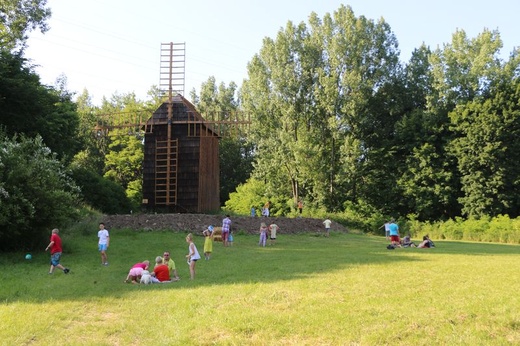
{"x": 306, "y": 290}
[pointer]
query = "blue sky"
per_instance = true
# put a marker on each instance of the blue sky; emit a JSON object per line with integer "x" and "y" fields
{"x": 113, "y": 46}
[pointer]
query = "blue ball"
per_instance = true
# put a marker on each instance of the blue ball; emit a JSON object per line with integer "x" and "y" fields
{"x": 28, "y": 256}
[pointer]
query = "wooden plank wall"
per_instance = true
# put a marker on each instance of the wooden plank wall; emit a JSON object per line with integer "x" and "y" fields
{"x": 198, "y": 171}
{"x": 188, "y": 174}
{"x": 209, "y": 182}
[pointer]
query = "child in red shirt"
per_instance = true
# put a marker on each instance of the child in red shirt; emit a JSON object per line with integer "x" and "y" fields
{"x": 55, "y": 246}
{"x": 161, "y": 272}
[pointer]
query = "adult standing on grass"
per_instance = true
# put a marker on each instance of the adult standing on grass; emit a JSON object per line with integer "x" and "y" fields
{"x": 103, "y": 243}
{"x": 193, "y": 255}
{"x": 327, "y": 224}
{"x": 56, "y": 250}
{"x": 394, "y": 233}
{"x": 226, "y": 226}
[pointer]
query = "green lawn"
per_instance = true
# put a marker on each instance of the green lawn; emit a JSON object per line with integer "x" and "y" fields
{"x": 306, "y": 290}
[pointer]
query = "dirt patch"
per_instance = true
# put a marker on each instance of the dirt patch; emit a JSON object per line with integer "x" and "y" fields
{"x": 198, "y": 222}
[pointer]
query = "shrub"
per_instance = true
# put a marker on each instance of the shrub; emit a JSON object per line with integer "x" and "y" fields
{"x": 36, "y": 193}
{"x": 101, "y": 193}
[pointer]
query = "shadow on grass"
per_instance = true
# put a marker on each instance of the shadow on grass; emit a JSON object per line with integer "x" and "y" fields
{"x": 292, "y": 257}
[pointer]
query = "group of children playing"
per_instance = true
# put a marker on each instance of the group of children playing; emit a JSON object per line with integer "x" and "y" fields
{"x": 392, "y": 234}
{"x": 164, "y": 270}
{"x": 407, "y": 242}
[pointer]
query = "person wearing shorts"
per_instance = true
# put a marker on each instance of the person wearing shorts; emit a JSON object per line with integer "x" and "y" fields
{"x": 55, "y": 246}
{"x": 193, "y": 255}
{"x": 226, "y": 226}
{"x": 327, "y": 224}
{"x": 394, "y": 233}
{"x": 103, "y": 243}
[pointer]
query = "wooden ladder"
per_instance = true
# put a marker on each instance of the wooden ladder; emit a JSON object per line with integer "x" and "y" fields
{"x": 166, "y": 163}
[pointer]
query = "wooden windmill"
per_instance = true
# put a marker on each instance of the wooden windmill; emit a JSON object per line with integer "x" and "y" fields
{"x": 181, "y": 167}
{"x": 181, "y": 159}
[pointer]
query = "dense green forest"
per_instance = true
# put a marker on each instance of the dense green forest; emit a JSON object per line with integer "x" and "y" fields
{"x": 337, "y": 121}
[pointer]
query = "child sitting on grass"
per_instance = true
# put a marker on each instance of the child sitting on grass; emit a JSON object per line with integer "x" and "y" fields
{"x": 161, "y": 272}
{"x": 426, "y": 243}
{"x": 407, "y": 241}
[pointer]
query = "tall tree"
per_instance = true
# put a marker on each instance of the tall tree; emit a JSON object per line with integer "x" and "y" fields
{"x": 426, "y": 175}
{"x": 464, "y": 68}
{"x": 310, "y": 91}
{"x": 95, "y": 144}
{"x": 488, "y": 151}
{"x": 27, "y": 106}
{"x": 123, "y": 162}
{"x": 462, "y": 71}
{"x": 18, "y": 18}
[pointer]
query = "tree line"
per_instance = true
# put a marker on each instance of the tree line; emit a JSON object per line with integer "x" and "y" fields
{"x": 339, "y": 121}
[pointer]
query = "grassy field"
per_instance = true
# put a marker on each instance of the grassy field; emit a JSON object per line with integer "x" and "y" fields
{"x": 306, "y": 290}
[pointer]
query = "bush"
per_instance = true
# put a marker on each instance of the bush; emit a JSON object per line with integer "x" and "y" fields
{"x": 362, "y": 217}
{"x": 101, "y": 193}
{"x": 500, "y": 229}
{"x": 247, "y": 195}
{"x": 36, "y": 193}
